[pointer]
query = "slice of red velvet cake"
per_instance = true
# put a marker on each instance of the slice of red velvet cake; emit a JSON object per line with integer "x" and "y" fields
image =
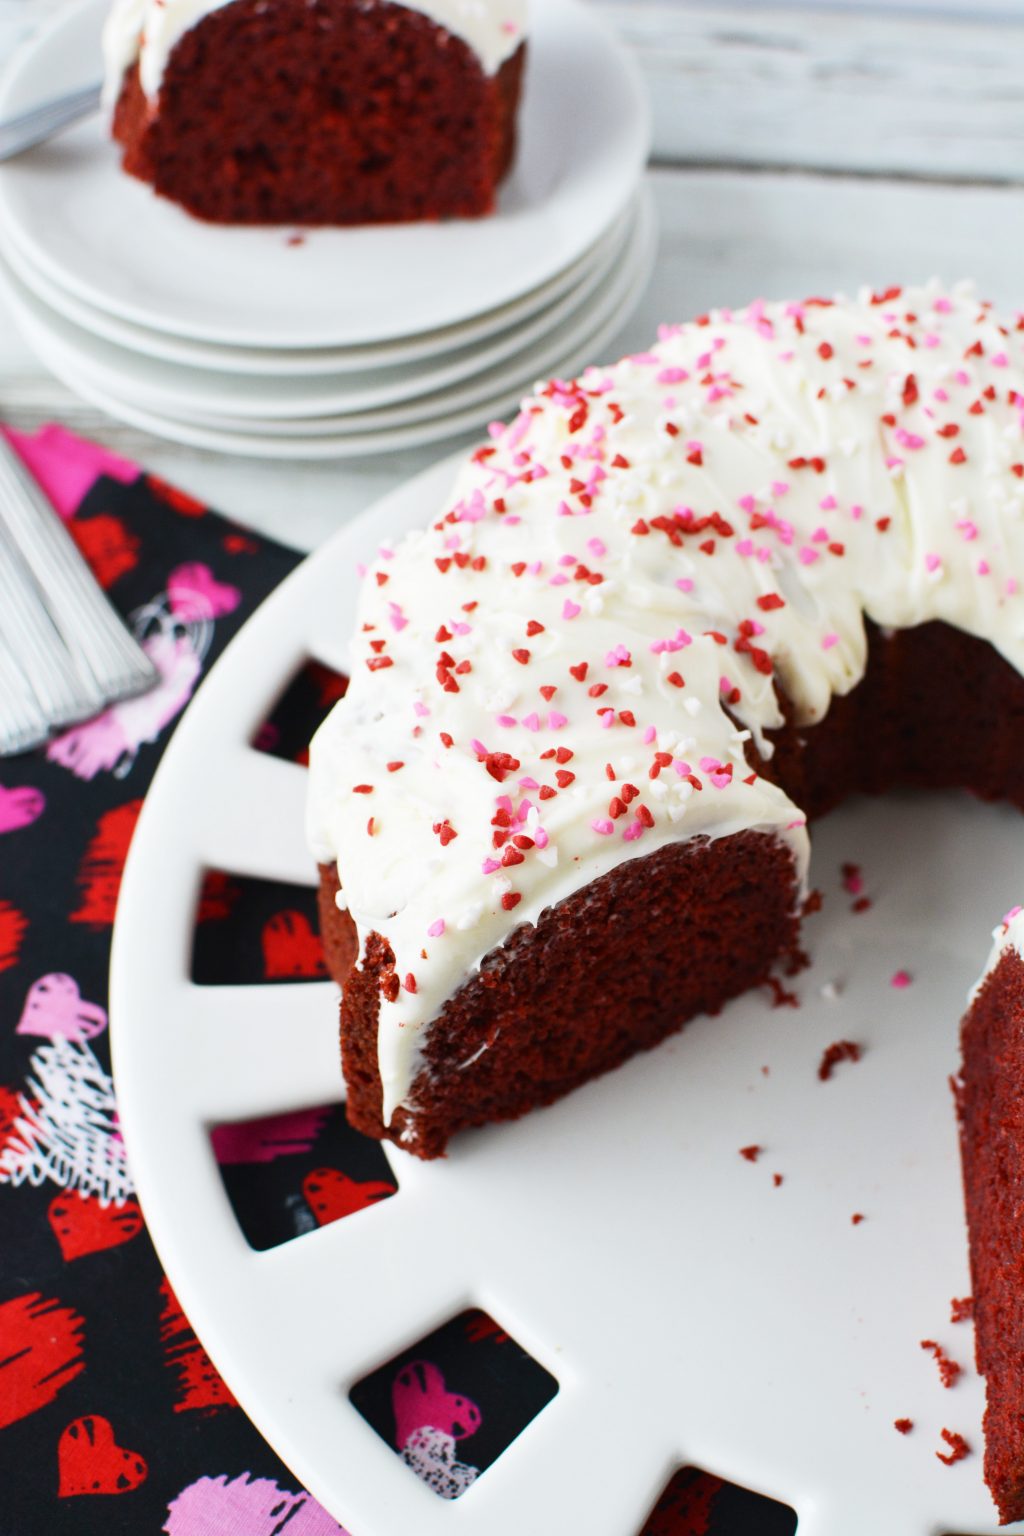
{"x": 990, "y": 1098}
{"x": 318, "y": 111}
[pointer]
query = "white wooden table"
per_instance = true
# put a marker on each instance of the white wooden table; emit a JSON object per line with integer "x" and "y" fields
{"x": 798, "y": 149}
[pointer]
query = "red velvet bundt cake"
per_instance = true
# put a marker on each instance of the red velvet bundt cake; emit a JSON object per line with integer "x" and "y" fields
{"x": 318, "y": 111}
{"x": 674, "y": 610}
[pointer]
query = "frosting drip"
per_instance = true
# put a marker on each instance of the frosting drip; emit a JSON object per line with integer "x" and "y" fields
{"x": 564, "y": 671}
{"x": 149, "y": 30}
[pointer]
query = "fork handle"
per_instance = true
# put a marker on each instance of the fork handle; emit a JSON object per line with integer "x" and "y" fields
{"x": 108, "y": 659}
{"x": 29, "y": 128}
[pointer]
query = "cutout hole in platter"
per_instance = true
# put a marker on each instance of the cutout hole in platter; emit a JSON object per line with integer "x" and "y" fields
{"x": 249, "y": 931}
{"x": 696, "y": 1503}
{"x": 300, "y": 707}
{"x": 286, "y": 1175}
{"x": 454, "y": 1402}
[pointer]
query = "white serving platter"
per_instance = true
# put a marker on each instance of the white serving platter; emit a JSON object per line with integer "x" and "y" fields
{"x": 106, "y": 238}
{"x": 691, "y": 1311}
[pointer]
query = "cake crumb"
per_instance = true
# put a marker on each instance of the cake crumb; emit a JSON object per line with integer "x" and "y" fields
{"x": 781, "y": 998}
{"x": 904, "y": 1426}
{"x": 958, "y": 1447}
{"x": 853, "y": 885}
{"x": 948, "y": 1369}
{"x": 296, "y": 239}
{"x": 831, "y": 990}
{"x": 751, "y": 1153}
{"x": 961, "y": 1309}
{"x": 776, "y": 1179}
{"x": 853, "y": 879}
{"x": 901, "y": 979}
{"x": 856, "y": 1218}
{"x": 839, "y": 1050}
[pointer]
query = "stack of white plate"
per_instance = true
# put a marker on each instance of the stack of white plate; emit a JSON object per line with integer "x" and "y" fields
{"x": 329, "y": 343}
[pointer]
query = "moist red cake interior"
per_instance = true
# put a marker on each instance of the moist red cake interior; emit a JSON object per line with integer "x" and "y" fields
{"x": 991, "y": 1103}
{"x": 322, "y": 112}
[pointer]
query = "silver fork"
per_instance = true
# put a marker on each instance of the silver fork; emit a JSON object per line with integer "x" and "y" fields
{"x": 64, "y": 652}
{"x": 28, "y": 128}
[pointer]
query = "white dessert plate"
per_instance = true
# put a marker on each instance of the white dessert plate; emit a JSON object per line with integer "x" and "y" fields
{"x": 691, "y": 1311}
{"x": 460, "y": 345}
{"x": 346, "y": 438}
{"x": 405, "y": 395}
{"x": 108, "y": 239}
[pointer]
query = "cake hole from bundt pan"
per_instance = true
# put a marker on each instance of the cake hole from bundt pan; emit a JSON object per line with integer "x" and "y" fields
{"x": 249, "y": 931}
{"x": 454, "y": 1402}
{"x": 286, "y": 1175}
{"x": 697, "y": 1503}
{"x": 304, "y": 702}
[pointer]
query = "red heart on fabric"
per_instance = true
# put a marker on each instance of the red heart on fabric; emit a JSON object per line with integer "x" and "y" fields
{"x": 13, "y": 925}
{"x": 331, "y": 1194}
{"x": 40, "y": 1352}
{"x": 291, "y": 948}
{"x": 110, "y": 550}
{"x": 187, "y": 505}
{"x": 81, "y": 1224}
{"x": 20, "y": 807}
{"x": 90, "y": 1460}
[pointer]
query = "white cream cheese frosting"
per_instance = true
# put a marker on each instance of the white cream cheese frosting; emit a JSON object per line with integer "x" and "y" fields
{"x": 149, "y": 31}
{"x": 562, "y": 672}
{"x": 1009, "y": 934}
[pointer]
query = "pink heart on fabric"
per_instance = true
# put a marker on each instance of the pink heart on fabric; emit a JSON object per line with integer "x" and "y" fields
{"x": 421, "y": 1400}
{"x": 255, "y": 1506}
{"x": 20, "y": 807}
{"x": 54, "y": 1008}
{"x": 195, "y": 593}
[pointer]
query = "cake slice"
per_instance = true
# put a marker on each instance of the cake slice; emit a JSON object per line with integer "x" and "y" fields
{"x": 317, "y": 111}
{"x": 990, "y": 1100}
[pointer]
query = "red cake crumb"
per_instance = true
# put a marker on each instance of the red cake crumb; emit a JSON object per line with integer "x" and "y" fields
{"x": 781, "y": 998}
{"x": 853, "y": 879}
{"x": 840, "y": 1050}
{"x": 901, "y": 979}
{"x": 853, "y": 884}
{"x": 948, "y": 1369}
{"x": 958, "y": 1447}
{"x": 903, "y": 1425}
{"x": 776, "y": 1179}
{"x": 961, "y": 1309}
{"x": 751, "y": 1153}
{"x": 856, "y": 1218}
